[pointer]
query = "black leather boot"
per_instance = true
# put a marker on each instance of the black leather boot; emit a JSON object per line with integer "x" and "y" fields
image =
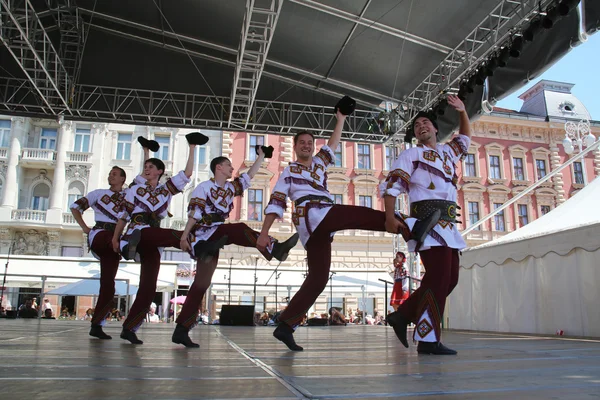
{"x": 400, "y": 325}
{"x": 130, "y": 248}
{"x": 181, "y": 336}
{"x": 131, "y": 336}
{"x": 281, "y": 249}
{"x": 204, "y": 251}
{"x": 436, "y": 348}
{"x": 285, "y": 333}
{"x": 96, "y": 331}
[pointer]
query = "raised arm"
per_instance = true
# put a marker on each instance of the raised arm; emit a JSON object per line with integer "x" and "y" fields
{"x": 336, "y": 136}
{"x": 257, "y": 163}
{"x": 464, "y": 125}
{"x": 189, "y": 167}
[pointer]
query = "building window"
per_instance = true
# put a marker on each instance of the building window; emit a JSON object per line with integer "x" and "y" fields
{"x": 495, "y": 167}
{"x": 470, "y": 169}
{"x": 124, "y": 146}
{"x": 255, "y": 204}
{"x": 499, "y": 218}
{"x": 254, "y": 140}
{"x": 41, "y": 195}
{"x": 75, "y": 192}
{"x": 364, "y": 156}
{"x": 71, "y": 251}
{"x": 545, "y": 209}
{"x": 365, "y": 201}
{"x": 474, "y": 214}
{"x": 540, "y": 165}
{"x": 201, "y": 154}
{"x": 390, "y": 157}
{"x": 48, "y": 139}
{"x": 82, "y": 140}
{"x": 518, "y": 169}
{"x": 523, "y": 215}
{"x": 4, "y": 133}
{"x": 578, "y": 171}
{"x": 337, "y": 198}
{"x": 338, "y": 155}
{"x": 165, "y": 144}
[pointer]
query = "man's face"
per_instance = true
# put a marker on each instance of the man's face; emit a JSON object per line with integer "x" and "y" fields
{"x": 304, "y": 147}
{"x": 151, "y": 172}
{"x": 115, "y": 178}
{"x": 226, "y": 169}
{"x": 424, "y": 129}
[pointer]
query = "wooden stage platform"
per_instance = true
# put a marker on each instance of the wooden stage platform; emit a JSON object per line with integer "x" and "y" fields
{"x": 42, "y": 359}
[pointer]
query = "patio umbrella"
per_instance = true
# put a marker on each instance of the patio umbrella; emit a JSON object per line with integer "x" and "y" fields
{"x": 178, "y": 300}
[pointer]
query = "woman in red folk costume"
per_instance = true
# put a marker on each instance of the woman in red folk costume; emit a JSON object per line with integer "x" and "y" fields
{"x": 144, "y": 207}
{"x": 400, "y": 291}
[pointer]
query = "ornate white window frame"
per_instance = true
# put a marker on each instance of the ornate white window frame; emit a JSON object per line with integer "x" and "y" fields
{"x": 337, "y": 183}
{"x": 473, "y": 149}
{"x": 499, "y": 194}
{"x": 362, "y": 171}
{"x": 247, "y": 157}
{"x": 526, "y": 200}
{"x": 365, "y": 185}
{"x": 545, "y": 197}
{"x": 578, "y": 186}
{"x": 541, "y": 153}
{"x": 495, "y": 149}
{"x": 262, "y": 181}
{"x": 518, "y": 151}
{"x": 473, "y": 192}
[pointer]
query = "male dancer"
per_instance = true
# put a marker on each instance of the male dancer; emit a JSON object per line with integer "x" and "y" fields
{"x": 316, "y": 218}
{"x": 144, "y": 207}
{"x": 209, "y": 207}
{"x": 428, "y": 174}
{"x": 106, "y": 204}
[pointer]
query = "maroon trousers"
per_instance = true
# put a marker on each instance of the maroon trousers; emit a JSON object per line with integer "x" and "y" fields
{"x": 441, "y": 277}
{"x": 152, "y": 239}
{"x": 109, "y": 265}
{"x": 240, "y": 234}
{"x": 318, "y": 251}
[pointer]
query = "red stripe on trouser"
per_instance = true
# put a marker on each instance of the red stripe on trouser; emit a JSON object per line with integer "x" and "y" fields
{"x": 109, "y": 265}
{"x": 239, "y": 234}
{"x": 441, "y": 277}
{"x": 151, "y": 240}
{"x": 318, "y": 252}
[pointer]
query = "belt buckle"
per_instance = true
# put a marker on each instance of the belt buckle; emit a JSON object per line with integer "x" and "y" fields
{"x": 451, "y": 211}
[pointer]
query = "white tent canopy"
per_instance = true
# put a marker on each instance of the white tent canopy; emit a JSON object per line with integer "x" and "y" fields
{"x": 539, "y": 279}
{"x": 91, "y": 287}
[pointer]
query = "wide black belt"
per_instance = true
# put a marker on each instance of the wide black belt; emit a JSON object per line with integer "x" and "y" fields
{"x": 210, "y": 218}
{"x": 422, "y": 210}
{"x": 146, "y": 219}
{"x": 429, "y": 213}
{"x": 109, "y": 226}
{"x": 312, "y": 197}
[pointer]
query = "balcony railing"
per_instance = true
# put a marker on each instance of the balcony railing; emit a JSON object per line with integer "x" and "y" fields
{"x": 68, "y": 219}
{"x": 29, "y": 215}
{"x": 79, "y": 157}
{"x": 38, "y": 155}
{"x": 3, "y": 153}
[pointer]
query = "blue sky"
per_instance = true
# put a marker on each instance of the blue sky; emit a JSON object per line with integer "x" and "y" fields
{"x": 581, "y": 66}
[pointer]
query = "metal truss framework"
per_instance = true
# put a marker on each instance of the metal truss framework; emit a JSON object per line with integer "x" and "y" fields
{"x": 258, "y": 28}
{"x": 143, "y": 107}
{"x": 51, "y": 75}
{"x": 26, "y": 39}
{"x": 479, "y": 44}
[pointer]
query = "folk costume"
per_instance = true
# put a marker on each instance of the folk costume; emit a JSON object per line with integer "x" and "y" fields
{"x": 429, "y": 177}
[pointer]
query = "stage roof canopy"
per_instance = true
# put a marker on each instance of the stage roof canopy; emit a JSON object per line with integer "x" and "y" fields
{"x": 269, "y": 65}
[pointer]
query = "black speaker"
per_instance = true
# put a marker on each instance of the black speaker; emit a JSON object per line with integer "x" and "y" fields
{"x": 237, "y": 315}
{"x": 317, "y": 322}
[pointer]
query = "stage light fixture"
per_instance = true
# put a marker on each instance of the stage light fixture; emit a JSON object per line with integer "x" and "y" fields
{"x": 503, "y": 57}
{"x": 550, "y": 18}
{"x": 534, "y": 27}
{"x": 516, "y": 47}
{"x": 480, "y": 77}
{"x": 565, "y": 6}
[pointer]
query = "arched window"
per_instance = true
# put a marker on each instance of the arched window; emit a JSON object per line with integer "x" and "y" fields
{"x": 40, "y": 197}
{"x": 76, "y": 190}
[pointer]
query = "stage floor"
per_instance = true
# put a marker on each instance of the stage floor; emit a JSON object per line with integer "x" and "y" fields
{"x": 58, "y": 360}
